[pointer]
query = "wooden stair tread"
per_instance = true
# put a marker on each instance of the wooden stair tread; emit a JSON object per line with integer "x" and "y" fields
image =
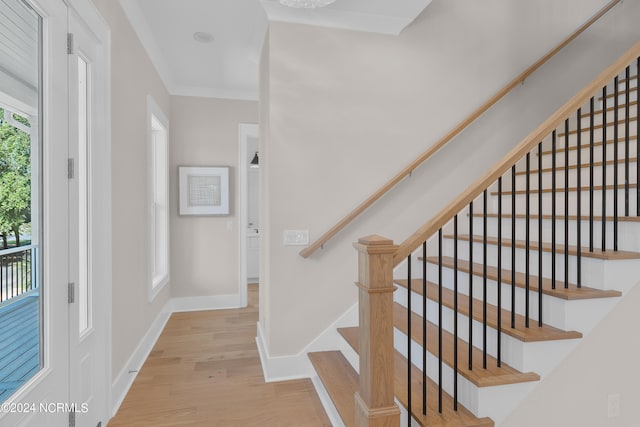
{"x": 585, "y": 145}
{"x": 560, "y": 248}
{"x": 561, "y": 217}
{"x": 571, "y": 293}
{"x": 621, "y": 92}
{"x": 599, "y": 126}
{"x": 340, "y": 380}
{"x": 562, "y": 190}
{"x": 448, "y": 418}
{"x": 491, "y": 376}
{"x": 609, "y": 108}
{"x": 584, "y": 166}
{"x": 532, "y": 334}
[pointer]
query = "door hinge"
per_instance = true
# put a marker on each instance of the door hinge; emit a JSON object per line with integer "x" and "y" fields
{"x": 70, "y": 43}
{"x": 70, "y": 168}
{"x": 72, "y": 419}
{"x": 71, "y": 297}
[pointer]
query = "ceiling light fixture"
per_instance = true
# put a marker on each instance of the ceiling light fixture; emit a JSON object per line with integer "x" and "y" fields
{"x": 306, "y": 4}
{"x": 203, "y": 37}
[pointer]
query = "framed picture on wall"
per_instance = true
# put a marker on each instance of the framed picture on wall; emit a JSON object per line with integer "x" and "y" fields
{"x": 203, "y": 190}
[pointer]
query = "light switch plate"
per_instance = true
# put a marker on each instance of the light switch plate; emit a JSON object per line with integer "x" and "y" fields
{"x": 296, "y": 237}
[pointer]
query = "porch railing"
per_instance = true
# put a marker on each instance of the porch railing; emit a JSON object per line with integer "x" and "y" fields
{"x": 17, "y": 271}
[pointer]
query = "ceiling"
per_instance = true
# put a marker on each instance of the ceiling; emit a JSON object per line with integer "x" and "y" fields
{"x": 228, "y": 66}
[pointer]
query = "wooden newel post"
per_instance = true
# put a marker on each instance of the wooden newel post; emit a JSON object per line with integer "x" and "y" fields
{"x": 375, "y": 406}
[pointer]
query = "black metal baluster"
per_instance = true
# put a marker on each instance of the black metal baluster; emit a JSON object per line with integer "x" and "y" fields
{"x": 409, "y": 340}
{"x": 553, "y": 208}
{"x": 591, "y": 173}
{"x": 440, "y": 320}
{"x": 626, "y": 141}
{"x": 471, "y": 286}
{"x": 579, "y": 202}
{"x": 484, "y": 280}
{"x": 616, "y": 108}
{"x": 637, "y": 137}
{"x": 513, "y": 251}
{"x": 566, "y": 202}
{"x": 527, "y": 245}
{"x": 539, "y": 234}
{"x": 424, "y": 328}
{"x": 455, "y": 313}
{"x": 604, "y": 169}
{"x": 499, "y": 287}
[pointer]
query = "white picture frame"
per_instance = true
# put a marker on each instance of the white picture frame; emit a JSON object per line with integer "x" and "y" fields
{"x": 203, "y": 190}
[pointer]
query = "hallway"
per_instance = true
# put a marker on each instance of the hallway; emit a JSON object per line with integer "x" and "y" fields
{"x": 205, "y": 371}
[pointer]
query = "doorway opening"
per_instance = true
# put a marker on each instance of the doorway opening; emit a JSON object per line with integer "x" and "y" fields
{"x": 249, "y": 208}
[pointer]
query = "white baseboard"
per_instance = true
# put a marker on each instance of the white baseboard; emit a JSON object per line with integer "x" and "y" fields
{"x": 216, "y": 302}
{"x": 283, "y": 368}
{"x": 121, "y": 385}
{"x": 325, "y": 399}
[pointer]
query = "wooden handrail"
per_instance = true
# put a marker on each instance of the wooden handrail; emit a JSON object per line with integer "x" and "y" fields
{"x": 319, "y": 243}
{"x": 500, "y": 168}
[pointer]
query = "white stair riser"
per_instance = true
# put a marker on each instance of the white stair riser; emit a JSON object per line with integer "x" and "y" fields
{"x": 585, "y": 136}
{"x": 515, "y": 353}
{"x": 628, "y": 232}
{"x": 585, "y": 203}
{"x": 585, "y": 155}
{"x": 598, "y": 116}
{"x": 611, "y": 100}
{"x": 494, "y": 402}
{"x": 588, "y": 264}
{"x": 557, "y": 312}
{"x": 547, "y": 177}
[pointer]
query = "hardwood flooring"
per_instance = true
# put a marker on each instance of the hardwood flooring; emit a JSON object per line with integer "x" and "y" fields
{"x": 205, "y": 371}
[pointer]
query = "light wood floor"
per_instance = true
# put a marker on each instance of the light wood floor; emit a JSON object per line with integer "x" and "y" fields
{"x": 205, "y": 371}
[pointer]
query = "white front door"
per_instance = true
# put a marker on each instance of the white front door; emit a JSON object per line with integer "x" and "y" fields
{"x": 88, "y": 376}
{"x": 36, "y": 96}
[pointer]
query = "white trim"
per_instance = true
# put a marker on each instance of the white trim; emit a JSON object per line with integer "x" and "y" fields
{"x": 211, "y": 92}
{"x": 282, "y": 368}
{"x": 155, "y": 284}
{"x": 87, "y": 15}
{"x": 245, "y": 131}
{"x": 121, "y": 385}
{"x": 216, "y": 302}
{"x": 327, "y": 403}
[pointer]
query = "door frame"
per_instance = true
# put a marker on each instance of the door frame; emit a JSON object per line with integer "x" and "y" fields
{"x": 84, "y": 13}
{"x": 50, "y": 383}
{"x": 246, "y": 131}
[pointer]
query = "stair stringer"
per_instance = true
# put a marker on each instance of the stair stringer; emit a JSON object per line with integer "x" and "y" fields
{"x": 603, "y": 363}
{"x": 540, "y": 357}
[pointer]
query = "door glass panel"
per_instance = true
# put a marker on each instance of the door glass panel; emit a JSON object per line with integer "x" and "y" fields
{"x": 20, "y": 196}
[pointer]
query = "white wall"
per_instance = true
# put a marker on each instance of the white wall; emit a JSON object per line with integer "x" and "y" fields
{"x": 133, "y": 77}
{"x": 347, "y": 110}
{"x": 204, "y": 250}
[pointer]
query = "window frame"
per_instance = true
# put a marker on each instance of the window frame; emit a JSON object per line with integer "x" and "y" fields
{"x": 157, "y": 185}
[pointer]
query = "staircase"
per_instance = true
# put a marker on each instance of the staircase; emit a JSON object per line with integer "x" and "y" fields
{"x": 497, "y": 290}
